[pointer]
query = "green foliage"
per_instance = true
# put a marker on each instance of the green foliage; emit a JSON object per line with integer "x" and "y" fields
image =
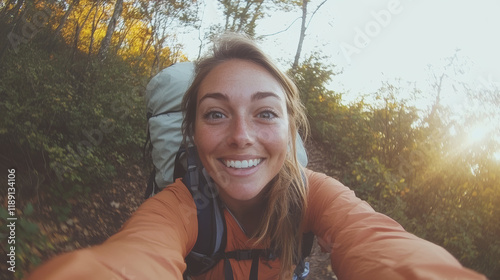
{"x": 29, "y": 240}
{"x": 454, "y": 197}
{"x": 76, "y": 122}
{"x": 66, "y": 127}
{"x": 419, "y": 169}
{"x": 392, "y": 125}
{"x": 343, "y": 127}
{"x": 372, "y": 180}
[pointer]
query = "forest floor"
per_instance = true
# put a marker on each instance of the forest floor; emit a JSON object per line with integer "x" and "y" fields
{"x": 91, "y": 221}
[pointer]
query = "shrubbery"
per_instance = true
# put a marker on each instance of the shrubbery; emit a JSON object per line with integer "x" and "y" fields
{"x": 410, "y": 166}
{"x": 66, "y": 126}
{"x": 74, "y": 122}
{"x": 30, "y": 244}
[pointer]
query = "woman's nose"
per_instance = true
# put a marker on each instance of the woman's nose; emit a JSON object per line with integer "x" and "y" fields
{"x": 242, "y": 133}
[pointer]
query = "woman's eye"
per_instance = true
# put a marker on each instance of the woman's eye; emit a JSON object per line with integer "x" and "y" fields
{"x": 213, "y": 115}
{"x": 267, "y": 115}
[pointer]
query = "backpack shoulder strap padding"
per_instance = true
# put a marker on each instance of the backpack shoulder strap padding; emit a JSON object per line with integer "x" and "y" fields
{"x": 211, "y": 241}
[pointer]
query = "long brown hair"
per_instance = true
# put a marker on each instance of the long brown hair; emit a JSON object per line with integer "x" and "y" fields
{"x": 281, "y": 226}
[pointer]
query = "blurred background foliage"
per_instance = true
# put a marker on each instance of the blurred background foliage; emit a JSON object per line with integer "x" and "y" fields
{"x": 72, "y": 79}
{"x": 417, "y": 166}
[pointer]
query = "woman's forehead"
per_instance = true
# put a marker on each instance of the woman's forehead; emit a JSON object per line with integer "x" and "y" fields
{"x": 241, "y": 77}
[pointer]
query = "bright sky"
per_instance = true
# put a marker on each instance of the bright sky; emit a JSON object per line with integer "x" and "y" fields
{"x": 379, "y": 40}
{"x": 375, "y": 41}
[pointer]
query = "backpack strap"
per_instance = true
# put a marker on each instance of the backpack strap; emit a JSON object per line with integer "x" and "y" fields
{"x": 254, "y": 270}
{"x": 240, "y": 255}
{"x": 148, "y": 137}
{"x": 210, "y": 245}
{"x": 211, "y": 242}
{"x": 152, "y": 188}
{"x": 302, "y": 268}
{"x": 228, "y": 270}
{"x": 307, "y": 244}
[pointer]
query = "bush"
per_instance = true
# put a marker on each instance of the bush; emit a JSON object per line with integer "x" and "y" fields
{"x": 411, "y": 167}
{"x": 74, "y": 122}
{"x": 29, "y": 241}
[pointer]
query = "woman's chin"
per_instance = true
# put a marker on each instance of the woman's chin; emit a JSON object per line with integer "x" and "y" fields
{"x": 240, "y": 193}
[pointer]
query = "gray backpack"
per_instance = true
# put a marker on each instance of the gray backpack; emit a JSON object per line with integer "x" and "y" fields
{"x": 164, "y": 95}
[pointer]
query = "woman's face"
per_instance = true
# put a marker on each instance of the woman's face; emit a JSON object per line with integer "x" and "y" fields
{"x": 241, "y": 128}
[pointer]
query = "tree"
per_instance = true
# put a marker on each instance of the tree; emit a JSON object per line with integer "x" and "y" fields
{"x": 111, "y": 29}
{"x": 79, "y": 25}
{"x": 95, "y": 23}
{"x": 131, "y": 17}
{"x": 392, "y": 123}
{"x": 303, "y": 29}
{"x": 242, "y": 16}
{"x": 344, "y": 128}
{"x": 63, "y": 20}
{"x": 162, "y": 16}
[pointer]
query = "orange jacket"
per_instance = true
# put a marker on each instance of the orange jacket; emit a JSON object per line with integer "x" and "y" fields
{"x": 364, "y": 244}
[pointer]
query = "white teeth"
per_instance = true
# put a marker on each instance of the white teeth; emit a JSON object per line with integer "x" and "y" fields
{"x": 242, "y": 164}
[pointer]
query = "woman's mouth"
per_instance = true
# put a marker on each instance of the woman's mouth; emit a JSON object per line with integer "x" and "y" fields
{"x": 240, "y": 164}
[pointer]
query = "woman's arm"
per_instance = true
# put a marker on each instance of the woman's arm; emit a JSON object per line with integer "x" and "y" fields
{"x": 365, "y": 244}
{"x": 151, "y": 245}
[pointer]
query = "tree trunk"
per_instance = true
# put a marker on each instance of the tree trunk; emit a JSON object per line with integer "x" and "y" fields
{"x": 437, "y": 103}
{"x": 302, "y": 35}
{"x": 75, "y": 42}
{"x": 64, "y": 19}
{"x": 123, "y": 36}
{"x": 94, "y": 27}
{"x": 78, "y": 30}
{"x": 111, "y": 29}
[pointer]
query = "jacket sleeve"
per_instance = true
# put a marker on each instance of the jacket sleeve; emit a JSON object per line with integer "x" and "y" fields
{"x": 365, "y": 244}
{"x": 152, "y": 244}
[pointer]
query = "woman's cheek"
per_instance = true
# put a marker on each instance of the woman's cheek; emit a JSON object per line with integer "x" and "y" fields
{"x": 276, "y": 135}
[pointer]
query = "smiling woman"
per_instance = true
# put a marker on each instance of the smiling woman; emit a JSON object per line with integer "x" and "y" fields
{"x": 240, "y": 107}
{"x": 245, "y": 121}
{"x": 243, "y": 115}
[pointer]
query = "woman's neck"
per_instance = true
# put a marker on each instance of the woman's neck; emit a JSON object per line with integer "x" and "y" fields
{"x": 248, "y": 213}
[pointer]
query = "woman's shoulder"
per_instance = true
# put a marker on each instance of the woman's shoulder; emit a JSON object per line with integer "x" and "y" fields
{"x": 315, "y": 177}
{"x": 328, "y": 197}
{"x": 174, "y": 193}
{"x": 321, "y": 184}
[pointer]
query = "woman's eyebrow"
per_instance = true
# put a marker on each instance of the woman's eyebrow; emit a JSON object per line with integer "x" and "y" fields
{"x": 215, "y": 95}
{"x": 256, "y": 96}
{"x": 263, "y": 94}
